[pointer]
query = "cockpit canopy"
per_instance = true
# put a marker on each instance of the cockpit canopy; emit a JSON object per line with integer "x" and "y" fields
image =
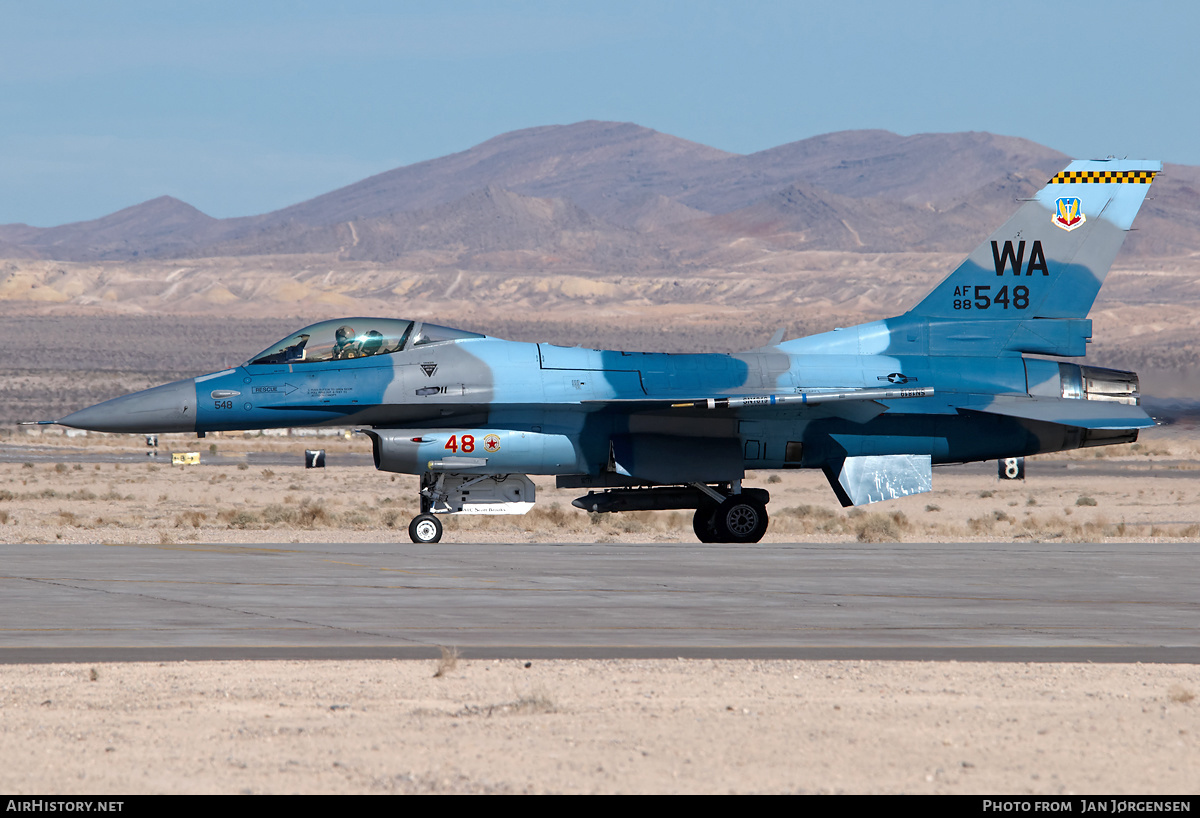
{"x": 345, "y": 338}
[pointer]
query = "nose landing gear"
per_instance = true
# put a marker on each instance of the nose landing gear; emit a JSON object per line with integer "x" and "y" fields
{"x": 425, "y": 528}
{"x": 454, "y": 493}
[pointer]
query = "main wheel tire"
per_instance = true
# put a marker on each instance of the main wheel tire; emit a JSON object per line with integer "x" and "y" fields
{"x": 425, "y": 528}
{"x": 702, "y": 523}
{"x": 740, "y": 520}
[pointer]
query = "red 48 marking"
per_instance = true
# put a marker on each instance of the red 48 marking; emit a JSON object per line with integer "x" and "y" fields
{"x": 466, "y": 443}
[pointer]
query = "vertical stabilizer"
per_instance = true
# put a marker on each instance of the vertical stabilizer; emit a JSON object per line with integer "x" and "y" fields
{"x": 1050, "y": 259}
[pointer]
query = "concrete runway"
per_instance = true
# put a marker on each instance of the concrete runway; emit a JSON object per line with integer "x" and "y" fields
{"x": 997, "y": 602}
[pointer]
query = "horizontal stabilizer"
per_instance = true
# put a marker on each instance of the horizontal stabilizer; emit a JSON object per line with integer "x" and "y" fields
{"x": 860, "y": 480}
{"x": 1083, "y": 414}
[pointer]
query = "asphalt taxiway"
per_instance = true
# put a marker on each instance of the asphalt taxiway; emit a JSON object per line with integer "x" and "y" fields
{"x": 1112, "y": 602}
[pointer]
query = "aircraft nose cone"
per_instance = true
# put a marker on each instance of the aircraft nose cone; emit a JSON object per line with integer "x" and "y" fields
{"x": 168, "y": 408}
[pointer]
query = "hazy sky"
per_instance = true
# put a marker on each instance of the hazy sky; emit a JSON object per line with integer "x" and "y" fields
{"x": 243, "y": 107}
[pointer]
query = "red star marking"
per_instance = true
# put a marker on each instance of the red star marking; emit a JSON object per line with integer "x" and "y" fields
{"x": 491, "y": 444}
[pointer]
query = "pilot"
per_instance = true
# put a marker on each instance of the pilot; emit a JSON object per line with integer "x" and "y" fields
{"x": 345, "y": 345}
{"x": 372, "y": 341}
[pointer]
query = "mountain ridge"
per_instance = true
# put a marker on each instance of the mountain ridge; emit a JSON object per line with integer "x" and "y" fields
{"x": 621, "y": 197}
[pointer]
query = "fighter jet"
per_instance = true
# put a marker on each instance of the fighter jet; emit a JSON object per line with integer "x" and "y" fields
{"x": 975, "y": 371}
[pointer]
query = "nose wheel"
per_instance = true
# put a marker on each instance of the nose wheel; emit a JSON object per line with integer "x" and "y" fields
{"x": 425, "y": 528}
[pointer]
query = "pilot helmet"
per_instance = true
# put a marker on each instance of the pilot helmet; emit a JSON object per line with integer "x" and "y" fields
{"x": 344, "y": 335}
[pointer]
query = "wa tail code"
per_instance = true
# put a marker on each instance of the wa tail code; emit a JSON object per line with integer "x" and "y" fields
{"x": 1037, "y": 259}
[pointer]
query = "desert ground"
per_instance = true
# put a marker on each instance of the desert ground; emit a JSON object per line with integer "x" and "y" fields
{"x": 614, "y": 726}
{"x": 463, "y": 725}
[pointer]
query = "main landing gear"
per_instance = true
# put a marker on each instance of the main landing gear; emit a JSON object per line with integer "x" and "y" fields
{"x": 738, "y": 519}
{"x": 723, "y": 514}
